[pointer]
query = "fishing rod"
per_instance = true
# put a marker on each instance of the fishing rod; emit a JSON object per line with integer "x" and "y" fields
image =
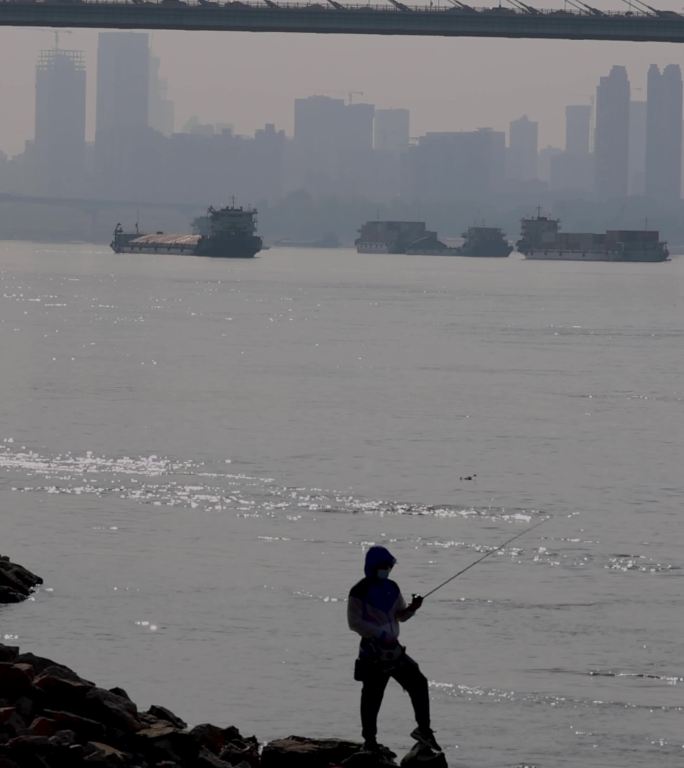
{"x": 487, "y": 554}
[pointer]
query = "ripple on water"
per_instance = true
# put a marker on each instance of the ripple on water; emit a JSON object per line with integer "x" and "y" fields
{"x": 163, "y": 481}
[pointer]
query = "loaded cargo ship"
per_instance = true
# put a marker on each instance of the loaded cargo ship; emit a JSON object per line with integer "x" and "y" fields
{"x": 413, "y": 237}
{"x": 226, "y": 233}
{"x": 488, "y": 242}
{"x": 541, "y": 238}
{"x": 395, "y": 237}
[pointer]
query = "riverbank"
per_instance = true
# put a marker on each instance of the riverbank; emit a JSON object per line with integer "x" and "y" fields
{"x": 50, "y": 717}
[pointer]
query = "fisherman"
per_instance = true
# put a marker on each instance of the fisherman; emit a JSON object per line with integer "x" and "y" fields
{"x": 374, "y": 610}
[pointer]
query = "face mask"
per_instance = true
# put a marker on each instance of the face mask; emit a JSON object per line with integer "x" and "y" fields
{"x": 383, "y": 573}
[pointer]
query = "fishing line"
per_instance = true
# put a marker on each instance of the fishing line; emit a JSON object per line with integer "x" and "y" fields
{"x": 487, "y": 554}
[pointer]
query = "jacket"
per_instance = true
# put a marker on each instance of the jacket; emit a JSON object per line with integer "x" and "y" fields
{"x": 376, "y": 606}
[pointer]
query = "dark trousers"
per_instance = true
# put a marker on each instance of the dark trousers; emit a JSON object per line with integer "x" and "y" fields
{"x": 407, "y": 673}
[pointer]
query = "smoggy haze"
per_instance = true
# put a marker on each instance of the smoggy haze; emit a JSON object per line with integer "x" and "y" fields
{"x": 248, "y": 79}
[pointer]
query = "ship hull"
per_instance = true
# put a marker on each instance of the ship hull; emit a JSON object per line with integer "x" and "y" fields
{"x": 556, "y": 255}
{"x": 486, "y": 254}
{"x": 245, "y": 248}
{"x": 368, "y": 247}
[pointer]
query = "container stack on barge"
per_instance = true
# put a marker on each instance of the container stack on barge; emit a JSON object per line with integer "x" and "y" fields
{"x": 228, "y": 233}
{"x": 413, "y": 237}
{"x": 541, "y": 238}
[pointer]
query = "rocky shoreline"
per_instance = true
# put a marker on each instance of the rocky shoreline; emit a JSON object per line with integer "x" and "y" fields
{"x": 16, "y": 582}
{"x": 50, "y": 717}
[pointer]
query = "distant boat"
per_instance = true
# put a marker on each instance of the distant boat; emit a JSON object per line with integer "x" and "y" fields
{"x": 227, "y": 233}
{"x": 541, "y": 238}
{"x": 484, "y": 241}
{"x": 397, "y": 237}
{"x": 413, "y": 237}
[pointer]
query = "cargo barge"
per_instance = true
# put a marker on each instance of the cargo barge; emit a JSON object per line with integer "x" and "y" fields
{"x": 413, "y": 237}
{"x": 541, "y": 238}
{"x": 226, "y": 233}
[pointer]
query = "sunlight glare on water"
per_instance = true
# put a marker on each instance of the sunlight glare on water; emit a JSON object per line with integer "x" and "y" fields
{"x": 196, "y": 455}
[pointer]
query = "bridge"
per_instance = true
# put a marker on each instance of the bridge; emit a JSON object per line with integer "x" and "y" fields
{"x": 519, "y": 20}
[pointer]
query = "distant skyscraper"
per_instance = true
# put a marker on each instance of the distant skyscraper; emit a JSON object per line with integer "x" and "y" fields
{"x": 637, "y": 147}
{"x": 391, "y": 130}
{"x": 161, "y": 108}
{"x": 546, "y": 158}
{"x": 522, "y": 150}
{"x": 571, "y": 171}
{"x": 663, "y": 174}
{"x": 331, "y": 140}
{"x": 60, "y": 122}
{"x": 611, "y": 141}
{"x": 450, "y": 167}
{"x": 122, "y": 113}
{"x": 577, "y": 128}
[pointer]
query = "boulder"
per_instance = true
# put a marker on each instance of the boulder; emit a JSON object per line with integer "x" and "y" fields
{"x": 11, "y": 723}
{"x": 40, "y": 663}
{"x": 301, "y": 752}
{"x": 162, "y": 713}
{"x": 245, "y": 752}
{"x": 14, "y": 682}
{"x": 9, "y": 595}
{"x": 164, "y": 742}
{"x": 420, "y": 756}
{"x": 84, "y": 728}
{"x": 106, "y": 756}
{"x": 16, "y": 582}
{"x": 63, "y": 738}
{"x": 8, "y": 652}
{"x": 111, "y": 710}
{"x": 207, "y": 759}
{"x": 382, "y": 759}
{"x": 43, "y": 726}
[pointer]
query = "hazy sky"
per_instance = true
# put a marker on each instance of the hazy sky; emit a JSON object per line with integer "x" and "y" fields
{"x": 249, "y": 79}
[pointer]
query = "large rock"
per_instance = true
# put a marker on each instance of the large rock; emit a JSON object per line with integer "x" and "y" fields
{"x": 420, "y": 756}
{"x": 50, "y": 717}
{"x": 381, "y": 759}
{"x": 14, "y": 681}
{"x": 16, "y": 582}
{"x": 301, "y": 752}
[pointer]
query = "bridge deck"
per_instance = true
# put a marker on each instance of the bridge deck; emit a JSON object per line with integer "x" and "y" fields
{"x": 354, "y": 20}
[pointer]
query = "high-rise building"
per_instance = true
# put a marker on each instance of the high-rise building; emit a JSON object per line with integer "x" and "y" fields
{"x": 663, "y": 174}
{"x": 449, "y": 167}
{"x": 522, "y": 149}
{"x": 331, "y": 140}
{"x": 571, "y": 171}
{"x": 122, "y": 111}
{"x": 391, "y": 131}
{"x": 577, "y": 128}
{"x": 637, "y": 147}
{"x": 161, "y": 108}
{"x": 611, "y": 140}
{"x": 60, "y": 122}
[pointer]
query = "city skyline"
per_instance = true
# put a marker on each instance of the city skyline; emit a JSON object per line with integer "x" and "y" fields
{"x": 335, "y": 141}
{"x": 346, "y": 156}
{"x": 447, "y": 85}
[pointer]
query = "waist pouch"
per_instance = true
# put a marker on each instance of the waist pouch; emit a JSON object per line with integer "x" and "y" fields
{"x": 381, "y": 662}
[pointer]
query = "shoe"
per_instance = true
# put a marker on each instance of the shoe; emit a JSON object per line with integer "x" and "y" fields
{"x": 371, "y": 745}
{"x": 426, "y": 737}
